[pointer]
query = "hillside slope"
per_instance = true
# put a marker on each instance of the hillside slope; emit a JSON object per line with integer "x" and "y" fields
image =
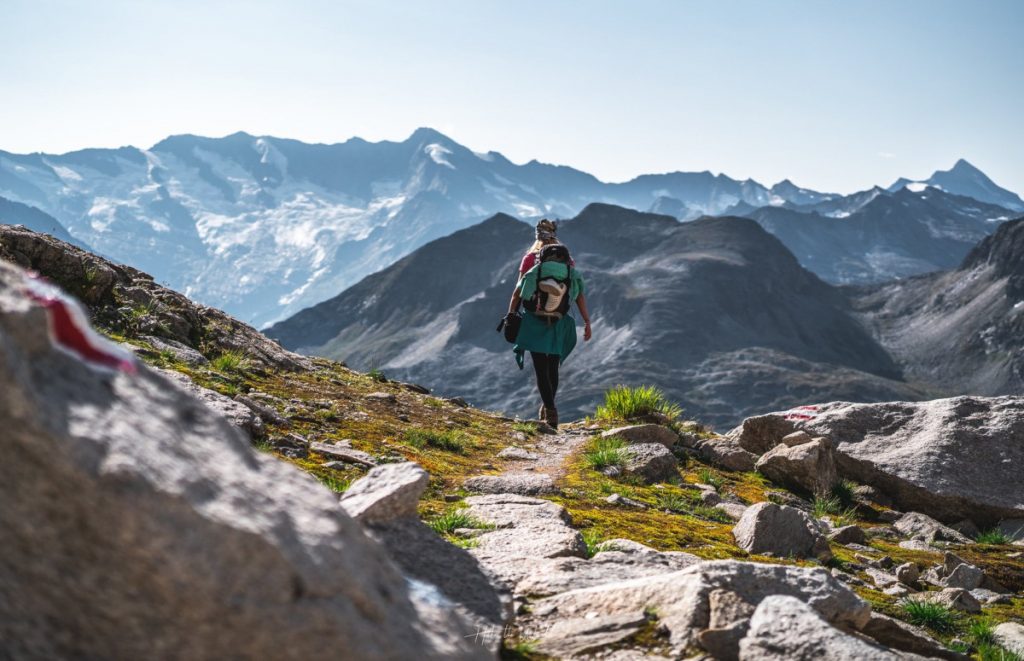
{"x": 963, "y": 330}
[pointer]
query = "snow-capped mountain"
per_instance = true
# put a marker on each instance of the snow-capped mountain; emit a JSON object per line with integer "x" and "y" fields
{"x": 965, "y": 179}
{"x": 263, "y": 227}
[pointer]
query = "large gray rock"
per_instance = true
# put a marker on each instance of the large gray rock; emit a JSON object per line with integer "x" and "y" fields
{"x": 1011, "y": 636}
{"x": 682, "y": 599}
{"x": 651, "y": 461}
{"x": 616, "y": 560}
{"x": 237, "y": 413}
{"x": 907, "y": 638}
{"x": 784, "y": 628}
{"x": 1014, "y": 530}
{"x": 953, "y": 459}
{"x": 527, "y": 532}
{"x": 523, "y": 484}
{"x": 760, "y": 433}
{"x": 807, "y": 466}
{"x": 138, "y": 523}
{"x": 767, "y": 528}
{"x": 387, "y": 492}
{"x": 649, "y": 433}
{"x": 922, "y": 527}
{"x": 385, "y": 500}
{"x": 725, "y": 452}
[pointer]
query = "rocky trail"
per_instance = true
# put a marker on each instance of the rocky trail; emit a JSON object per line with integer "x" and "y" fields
{"x": 234, "y": 500}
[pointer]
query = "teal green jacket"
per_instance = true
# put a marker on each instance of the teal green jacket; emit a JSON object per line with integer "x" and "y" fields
{"x": 542, "y": 334}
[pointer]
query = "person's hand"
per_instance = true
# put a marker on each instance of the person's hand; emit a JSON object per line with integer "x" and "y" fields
{"x": 586, "y": 331}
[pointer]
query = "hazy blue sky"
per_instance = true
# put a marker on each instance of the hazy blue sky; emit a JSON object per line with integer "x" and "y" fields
{"x": 835, "y": 95}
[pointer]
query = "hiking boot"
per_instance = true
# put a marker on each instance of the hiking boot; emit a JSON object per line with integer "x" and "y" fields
{"x": 551, "y": 418}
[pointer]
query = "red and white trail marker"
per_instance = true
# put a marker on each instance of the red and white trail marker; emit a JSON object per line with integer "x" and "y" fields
{"x": 69, "y": 330}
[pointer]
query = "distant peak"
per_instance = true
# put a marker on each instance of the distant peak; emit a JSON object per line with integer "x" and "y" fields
{"x": 427, "y": 133}
{"x": 963, "y": 165}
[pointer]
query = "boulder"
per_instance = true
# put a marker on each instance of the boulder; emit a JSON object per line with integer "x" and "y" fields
{"x": 907, "y": 573}
{"x": 1014, "y": 530}
{"x": 808, "y": 466}
{"x": 387, "y": 492}
{"x": 796, "y": 438}
{"x": 726, "y": 453}
{"x": 784, "y": 628}
{"x": 761, "y": 433}
{"x": 132, "y": 500}
{"x": 518, "y": 454}
{"x": 734, "y": 511}
{"x": 616, "y": 559}
{"x": 905, "y": 449}
{"x": 682, "y": 599}
{"x": 848, "y": 535}
{"x": 344, "y": 453}
{"x": 180, "y": 351}
{"x": 926, "y": 529}
{"x": 964, "y": 576}
{"x": 524, "y": 484}
{"x": 907, "y": 638}
{"x": 527, "y": 531}
{"x": 238, "y": 414}
{"x": 580, "y": 635}
{"x": 649, "y": 433}
{"x": 652, "y": 462}
{"x": 767, "y": 528}
{"x": 1011, "y": 636}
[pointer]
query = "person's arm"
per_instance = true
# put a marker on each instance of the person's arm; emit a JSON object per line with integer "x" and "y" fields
{"x": 581, "y": 303}
{"x": 513, "y": 305}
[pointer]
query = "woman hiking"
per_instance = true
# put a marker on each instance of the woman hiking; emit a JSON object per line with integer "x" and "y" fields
{"x": 548, "y": 283}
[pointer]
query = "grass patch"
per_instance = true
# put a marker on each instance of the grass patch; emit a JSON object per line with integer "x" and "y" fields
{"x": 525, "y": 427}
{"x": 450, "y": 521}
{"x": 996, "y": 653}
{"x": 675, "y": 502}
{"x": 593, "y": 541}
{"x": 376, "y": 375}
{"x": 711, "y": 514}
{"x": 229, "y": 361}
{"x": 333, "y": 482}
{"x": 833, "y": 506}
{"x": 980, "y": 631}
{"x": 451, "y": 440}
{"x": 932, "y": 616}
{"x": 628, "y": 403}
{"x": 993, "y": 536}
{"x": 521, "y": 650}
{"x": 710, "y": 477}
{"x": 605, "y": 452}
{"x": 843, "y": 492}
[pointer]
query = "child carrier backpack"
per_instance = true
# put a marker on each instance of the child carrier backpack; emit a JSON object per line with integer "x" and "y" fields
{"x": 552, "y": 296}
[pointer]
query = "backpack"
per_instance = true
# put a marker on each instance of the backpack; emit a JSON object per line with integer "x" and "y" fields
{"x": 552, "y": 296}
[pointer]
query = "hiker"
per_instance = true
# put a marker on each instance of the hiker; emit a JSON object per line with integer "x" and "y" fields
{"x": 548, "y": 283}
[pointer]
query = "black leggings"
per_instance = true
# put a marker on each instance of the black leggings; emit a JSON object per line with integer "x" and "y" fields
{"x": 546, "y": 367}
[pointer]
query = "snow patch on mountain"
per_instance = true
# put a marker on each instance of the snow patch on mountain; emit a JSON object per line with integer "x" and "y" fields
{"x": 438, "y": 154}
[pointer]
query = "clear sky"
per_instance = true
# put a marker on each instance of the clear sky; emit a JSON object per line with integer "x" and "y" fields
{"x": 836, "y": 95}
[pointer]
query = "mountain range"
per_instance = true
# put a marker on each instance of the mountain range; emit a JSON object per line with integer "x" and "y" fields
{"x": 717, "y": 312}
{"x": 264, "y": 227}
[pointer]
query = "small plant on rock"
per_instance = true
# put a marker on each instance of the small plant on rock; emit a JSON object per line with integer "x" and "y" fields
{"x": 993, "y": 536}
{"x": 377, "y": 375}
{"x": 931, "y": 615}
{"x": 605, "y": 452}
{"x": 627, "y": 403}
